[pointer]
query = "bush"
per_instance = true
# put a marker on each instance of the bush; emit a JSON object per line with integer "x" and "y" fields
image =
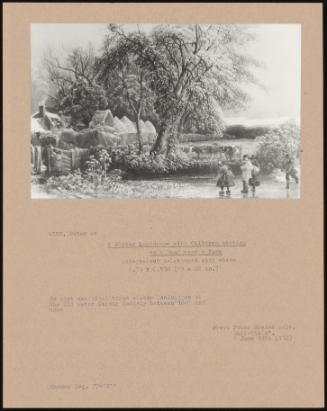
{"x": 68, "y": 183}
{"x": 276, "y": 145}
{"x": 149, "y": 165}
{"x": 102, "y": 161}
{"x": 90, "y": 182}
{"x": 92, "y": 176}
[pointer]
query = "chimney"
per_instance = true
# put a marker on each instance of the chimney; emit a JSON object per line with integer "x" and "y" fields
{"x": 41, "y": 110}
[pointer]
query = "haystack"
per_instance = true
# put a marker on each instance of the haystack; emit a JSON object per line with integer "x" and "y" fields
{"x": 129, "y": 125}
{"x": 144, "y": 132}
{"x": 121, "y": 130}
{"x": 131, "y": 130}
{"x": 151, "y": 128}
{"x": 152, "y": 133}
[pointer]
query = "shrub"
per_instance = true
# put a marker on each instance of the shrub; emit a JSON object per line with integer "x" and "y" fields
{"x": 67, "y": 183}
{"x": 88, "y": 183}
{"x": 276, "y": 145}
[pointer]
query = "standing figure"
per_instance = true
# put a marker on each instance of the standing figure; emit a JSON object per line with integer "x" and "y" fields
{"x": 225, "y": 178}
{"x": 246, "y": 168}
{"x": 254, "y": 181}
{"x": 290, "y": 171}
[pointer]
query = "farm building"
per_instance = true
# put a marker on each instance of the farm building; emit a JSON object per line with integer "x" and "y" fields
{"x": 102, "y": 118}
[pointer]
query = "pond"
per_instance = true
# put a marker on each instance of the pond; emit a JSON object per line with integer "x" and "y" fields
{"x": 205, "y": 187}
{"x": 181, "y": 187}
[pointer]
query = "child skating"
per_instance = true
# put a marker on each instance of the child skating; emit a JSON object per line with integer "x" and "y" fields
{"x": 225, "y": 179}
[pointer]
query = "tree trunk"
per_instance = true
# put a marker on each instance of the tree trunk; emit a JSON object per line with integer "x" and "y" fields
{"x": 172, "y": 141}
{"x": 181, "y": 124}
{"x": 138, "y": 130}
{"x": 157, "y": 147}
{"x": 175, "y": 132}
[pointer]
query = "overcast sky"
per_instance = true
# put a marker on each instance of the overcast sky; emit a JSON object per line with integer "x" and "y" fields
{"x": 278, "y": 46}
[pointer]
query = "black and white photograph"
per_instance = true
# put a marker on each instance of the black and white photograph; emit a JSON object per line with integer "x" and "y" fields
{"x": 165, "y": 111}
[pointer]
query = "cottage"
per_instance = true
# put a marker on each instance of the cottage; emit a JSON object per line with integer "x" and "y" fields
{"x": 46, "y": 120}
{"x": 37, "y": 126}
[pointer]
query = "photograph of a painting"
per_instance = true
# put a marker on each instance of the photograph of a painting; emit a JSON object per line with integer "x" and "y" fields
{"x": 165, "y": 111}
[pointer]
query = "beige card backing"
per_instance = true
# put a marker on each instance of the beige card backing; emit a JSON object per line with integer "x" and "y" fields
{"x": 90, "y": 320}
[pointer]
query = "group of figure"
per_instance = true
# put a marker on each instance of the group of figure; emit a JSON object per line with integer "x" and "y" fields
{"x": 250, "y": 175}
{"x": 250, "y": 171}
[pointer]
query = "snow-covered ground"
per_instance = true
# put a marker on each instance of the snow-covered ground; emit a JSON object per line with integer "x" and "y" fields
{"x": 185, "y": 187}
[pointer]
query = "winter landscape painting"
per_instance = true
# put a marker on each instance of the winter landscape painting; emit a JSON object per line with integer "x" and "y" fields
{"x": 165, "y": 111}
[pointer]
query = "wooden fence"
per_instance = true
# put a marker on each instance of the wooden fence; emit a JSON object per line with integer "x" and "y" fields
{"x": 57, "y": 160}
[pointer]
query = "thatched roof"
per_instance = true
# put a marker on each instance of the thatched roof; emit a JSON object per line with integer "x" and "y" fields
{"x": 48, "y": 120}
{"x": 37, "y": 126}
{"x": 102, "y": 117}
